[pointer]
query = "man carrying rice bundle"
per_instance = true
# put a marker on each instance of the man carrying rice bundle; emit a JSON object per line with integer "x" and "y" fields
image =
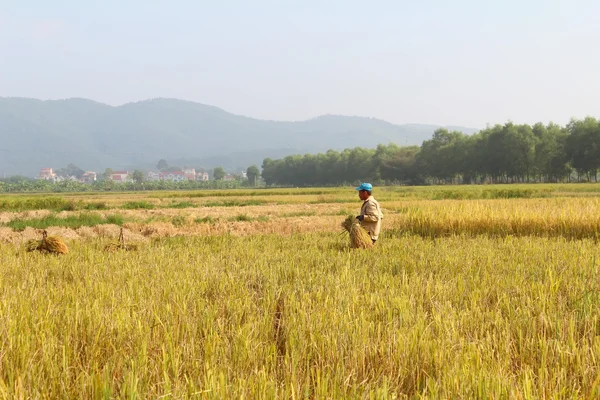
{"x": 370, "y": 212}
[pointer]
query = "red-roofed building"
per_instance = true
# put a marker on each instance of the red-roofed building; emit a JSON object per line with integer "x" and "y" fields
{"x": 173, "y": 176}
{"x": 119, "y": 176}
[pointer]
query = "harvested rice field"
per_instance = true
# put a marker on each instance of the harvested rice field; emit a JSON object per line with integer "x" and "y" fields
{"x": 471, "y": 292}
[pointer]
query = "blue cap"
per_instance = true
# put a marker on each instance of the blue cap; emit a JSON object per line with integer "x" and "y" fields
{"x": 365, "y": 186}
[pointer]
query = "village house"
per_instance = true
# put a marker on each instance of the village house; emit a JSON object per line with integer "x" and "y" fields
{"x": 202, "y": 176}
{"x": 190, "y": 174}
{"x": 119, "y": 176}
{"x": 89, "y": 177}
{"x": 153, "y": 176}
{"x": 173, "y": 176}
{"x": 47, "y": 174}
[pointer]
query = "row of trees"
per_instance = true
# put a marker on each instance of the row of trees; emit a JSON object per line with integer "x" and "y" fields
{"x": 500, "y": 154}
{"x": 43, "y": 186}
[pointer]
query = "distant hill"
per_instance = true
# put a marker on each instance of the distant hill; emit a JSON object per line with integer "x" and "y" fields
{"x": 36, "y": 134}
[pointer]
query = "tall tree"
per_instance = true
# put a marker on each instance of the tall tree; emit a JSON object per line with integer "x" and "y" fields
{"x": 107, "y": 174}
{"x": 137, "y": 176}
{"x": 218, "y": 173}
{"x": 268, "y": 171}
{"x": 583, "y": 146}
{"x": 252, "y": 173}
{"x": 443, "y": 156}
{"x": 162, "y": 165}
{"x": 397, "y": 164}
{"x": 71, "y": 170}
{"x": 520, "y": 151}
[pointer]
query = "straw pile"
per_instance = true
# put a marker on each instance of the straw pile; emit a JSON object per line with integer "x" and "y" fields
{"x": 48, "y": 245}
{"x": 359, "y": 237}
{"x": 120, "y": 245}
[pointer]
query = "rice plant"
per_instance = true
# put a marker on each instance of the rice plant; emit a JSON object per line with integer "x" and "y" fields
{"x": 462, "y": 297}
{"x": 296, "y": 316}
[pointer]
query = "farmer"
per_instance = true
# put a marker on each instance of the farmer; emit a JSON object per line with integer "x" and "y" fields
{"x": 370, "y": 212}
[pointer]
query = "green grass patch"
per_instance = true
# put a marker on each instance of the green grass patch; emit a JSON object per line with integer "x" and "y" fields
{"x": 36, "y": 203}
{"x": 343, "y": 212}
{"x": 299, "y": 214}
{"x": 235, "y": 203}
{"x": 156, "y": 218}
{"x": 72, "y": 221}
{"x": 206, "y": 220}
{"x": 137, "y": 205}
{"x": 330, "y": 200}
{"x": 245, "y": 192}
{"x": 241, "y": 218}
{"x": 97, "y": 205}
{"x": 247, "y": 218}
{"x": 181, "y": 204}
{"x": 179, "y": 221}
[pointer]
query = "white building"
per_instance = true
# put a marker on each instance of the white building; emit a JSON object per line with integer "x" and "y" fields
{"x": 119, "y": 176}
{"x": 202, "y": 176}
{"x": 153, "y": 176}
{"x": 47, "y": 174}
{"x": 173, "y": 176}
{"x": 190, "y": 174}
{"x": 89, "y": 177}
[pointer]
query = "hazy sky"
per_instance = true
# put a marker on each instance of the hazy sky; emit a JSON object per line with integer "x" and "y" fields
{"x": 461, "y": 62}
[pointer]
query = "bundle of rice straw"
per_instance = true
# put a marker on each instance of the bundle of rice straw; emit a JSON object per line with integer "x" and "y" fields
{"x": 48, "y": 245}
{"x": 359, "y": 237}
{"x": 120, "y": 245}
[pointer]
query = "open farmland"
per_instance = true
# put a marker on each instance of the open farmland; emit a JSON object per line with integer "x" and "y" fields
{"x": 472, "y": 292}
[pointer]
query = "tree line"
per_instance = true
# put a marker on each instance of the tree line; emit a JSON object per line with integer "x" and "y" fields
{"x": 67, "y": 186}
{"x": 509, "y": 153}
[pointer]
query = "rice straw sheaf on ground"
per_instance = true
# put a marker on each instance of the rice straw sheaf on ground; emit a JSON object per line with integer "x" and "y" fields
{"x": 48, "y": 245}
{"x": 120, "y": 244}
{"x": 359, "y": 237}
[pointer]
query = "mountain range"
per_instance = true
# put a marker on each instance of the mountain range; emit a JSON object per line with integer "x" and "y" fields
{"x": 35, "y": 134}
